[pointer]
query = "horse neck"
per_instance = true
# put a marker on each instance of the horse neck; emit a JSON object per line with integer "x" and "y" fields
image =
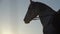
{"x": 45, "y": 20}
{"x": 46, "y": 12}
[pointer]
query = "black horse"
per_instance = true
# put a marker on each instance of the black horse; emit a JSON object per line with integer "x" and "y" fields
{"x": 45, "y": 13}
{"x": 56, "y": 22}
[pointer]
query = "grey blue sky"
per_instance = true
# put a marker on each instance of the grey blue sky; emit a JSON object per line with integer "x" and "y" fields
{"x": 12, "y": 13}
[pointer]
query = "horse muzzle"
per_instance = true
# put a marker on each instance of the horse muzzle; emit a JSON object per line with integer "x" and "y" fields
{"x": 26, "y": 21}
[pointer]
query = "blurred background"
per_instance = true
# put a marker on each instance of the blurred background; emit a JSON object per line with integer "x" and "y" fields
{"x": 12, "y": 13}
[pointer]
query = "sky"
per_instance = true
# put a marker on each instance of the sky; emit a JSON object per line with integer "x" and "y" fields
{"x": 12, "y": 13}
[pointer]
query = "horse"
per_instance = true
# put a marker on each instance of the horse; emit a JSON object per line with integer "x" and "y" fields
{"x": 56, "y": 21}
{"x": 45, "y": 13}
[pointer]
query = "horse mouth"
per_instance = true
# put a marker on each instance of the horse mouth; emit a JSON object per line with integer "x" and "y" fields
{"x": 26, "y": 21}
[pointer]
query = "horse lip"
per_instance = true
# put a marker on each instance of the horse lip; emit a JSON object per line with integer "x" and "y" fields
{"x": 26, "y": 21}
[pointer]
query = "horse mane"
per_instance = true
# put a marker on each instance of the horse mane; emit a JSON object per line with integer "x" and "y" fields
{"x": 43, "y": 4}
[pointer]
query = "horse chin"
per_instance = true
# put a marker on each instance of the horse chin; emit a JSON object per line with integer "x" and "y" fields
{"x": 26, "y": 22}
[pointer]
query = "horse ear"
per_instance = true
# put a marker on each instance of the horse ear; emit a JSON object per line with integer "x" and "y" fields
{"x": 31, "y": 1}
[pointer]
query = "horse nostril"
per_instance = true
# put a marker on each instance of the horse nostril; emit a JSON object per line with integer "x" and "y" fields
{"x": 24, "y": 19}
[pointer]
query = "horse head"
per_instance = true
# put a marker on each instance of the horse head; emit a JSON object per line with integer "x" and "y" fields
{"x": 32, "y": 12}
